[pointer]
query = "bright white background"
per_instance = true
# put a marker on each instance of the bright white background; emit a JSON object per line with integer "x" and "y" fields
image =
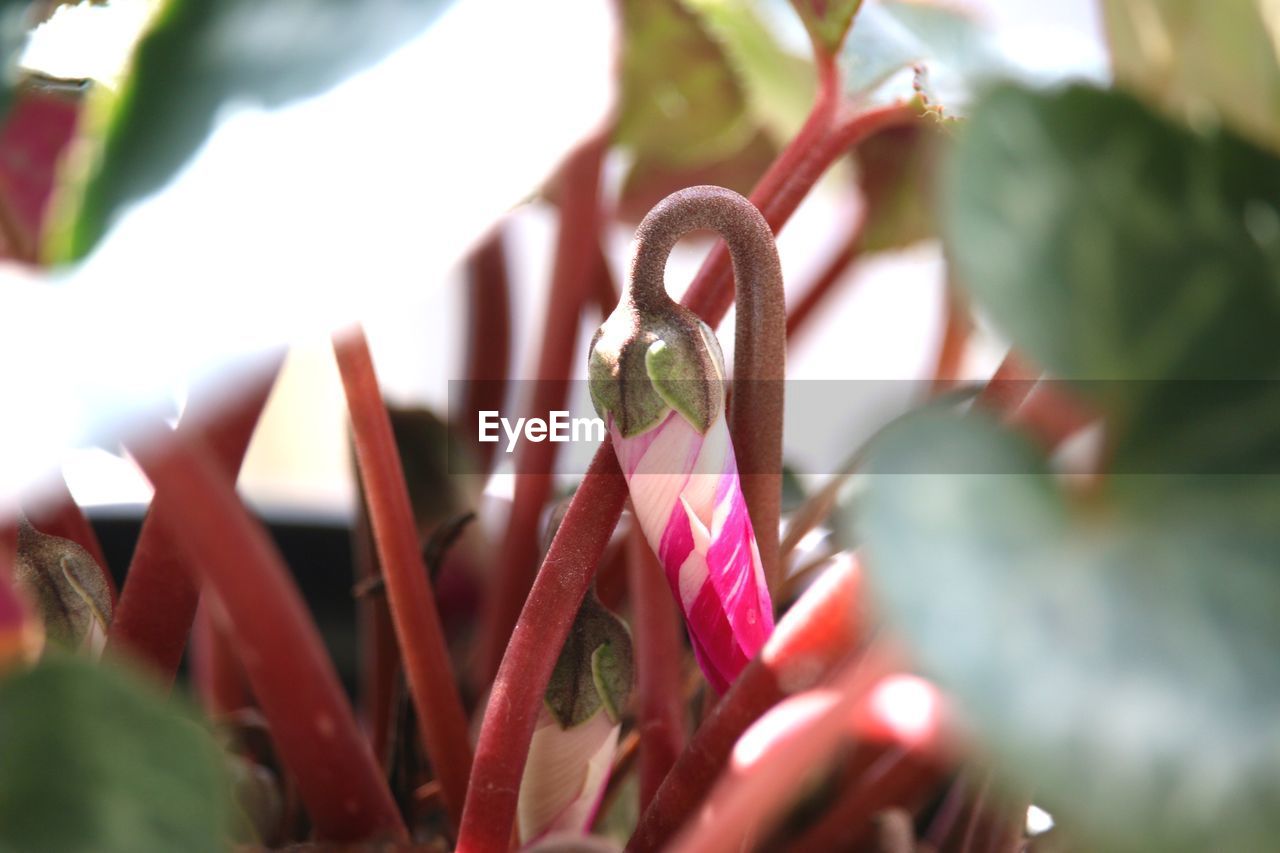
{"x": 419, "y": 155}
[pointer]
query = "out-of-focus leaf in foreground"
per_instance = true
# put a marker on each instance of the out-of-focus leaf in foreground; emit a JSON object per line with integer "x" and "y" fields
{"x": 683, "y": 112}
{"x": 95, "y": 760}
{"x": 1135, "y": 258}
{"x": 202, "y": 55}
{"x": 1202, "y": 59}
{"x": 1116, "y": 651}
{"x": 15, "y": 23}
{"x": 1118, "y": 658}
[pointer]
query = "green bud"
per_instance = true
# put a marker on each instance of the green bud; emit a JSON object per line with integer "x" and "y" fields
{"x": 595, "y": 668}
{"x": 65, "y": 584}
{"x": 647, "y": 361}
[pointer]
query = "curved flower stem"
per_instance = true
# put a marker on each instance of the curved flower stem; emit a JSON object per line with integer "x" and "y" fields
{"x": 815, "y": 636}
{"x": 659, "y": 651}
{"x": 571, "y": 279}
{"x": 488, "y": 358}
{"x": 539, "y": 635}
{"x": 760, "y": 339}
{"x": 292, "y": 677}
{"x": 158, "y": 603}
{"x": 441, "y": 719}
{"x": 60, "y": 515}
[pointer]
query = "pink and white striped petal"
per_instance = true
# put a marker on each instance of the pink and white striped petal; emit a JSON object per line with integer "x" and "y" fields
{"x": 688, "y": 499}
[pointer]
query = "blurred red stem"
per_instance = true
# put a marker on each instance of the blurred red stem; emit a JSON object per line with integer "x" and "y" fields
{"x": 218, "y": 676}
{"x": 815, "y": 636}
{"x": 655, "y": 626}
{"x": 577, "y": 251}
{"x": 535, "y": 644}
{"x": 292, "y": 677}
{"x": 955, "y": 339}
{"x": 488, "y": 358}
{"x": 380, "y": 654}
{"x": 158, "y": 603}
{"x": 441, "y": 719}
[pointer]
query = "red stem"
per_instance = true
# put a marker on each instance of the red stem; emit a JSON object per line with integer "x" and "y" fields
{"x": 711, "y": 292}
{"x": 218, "y": 675}
{"x": 898, "y": 778}
{"x": 742, "y": 808}
{"x": 158, "y": 603}
{"x": 488, "y": 356}
{"x": 441, "y": 720}
{"x": 526, "y": 668}
{"x": 380, "y": 654}
{"x": 577, "y": 249}
{"x": 60, "y": 515}
{"x": 814, "y": 637}
{"x": 955, "y": 339}
{"x": 292, "y": 677}
{"x": 659, "y": 651}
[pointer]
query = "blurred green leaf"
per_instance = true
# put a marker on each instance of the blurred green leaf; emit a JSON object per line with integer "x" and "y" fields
{"x": 1135, "y": 258}
{"x": 954, "y": 51}
{"x": 15, "y": 25}
{"x": 681, "y": 104}
{"x": 95, "y": 760}
{"x": 1202, "y": 59}
{"x": 1119, "y": 657}
{"x": 202, "y": 55}
{"x": 779, "y": 85}
{"x": 827, "y": 20}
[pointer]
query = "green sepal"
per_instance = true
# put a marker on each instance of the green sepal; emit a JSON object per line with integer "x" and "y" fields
{"x": 647, "y": 362}
{"x": 595, "y": 669}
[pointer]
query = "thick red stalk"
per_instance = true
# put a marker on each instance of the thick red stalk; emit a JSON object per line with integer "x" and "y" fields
{"x": 535, "y": 644}
{"x": 379, "y": 651}
{"x": 659, "y": 651}
{"x": 814, "y": 637}
{"x": 577, "y": 251}
{"x": 59, "y": 515}
{"x": 158, "y": 603}
{"x": 216, "y": 671}
{"x": 441, "y": 720}
{"x": 488, "y": 358}
{"x": 292, "y": 677}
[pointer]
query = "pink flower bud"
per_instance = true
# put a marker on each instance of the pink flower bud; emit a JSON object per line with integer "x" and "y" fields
{"x": 688, "y": 498}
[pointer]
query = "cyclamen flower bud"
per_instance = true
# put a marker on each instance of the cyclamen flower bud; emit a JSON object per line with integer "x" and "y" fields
{"x": 577, "y": 730}
{"x": 657, "y": 378}
{"x": 67, "y": 588}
